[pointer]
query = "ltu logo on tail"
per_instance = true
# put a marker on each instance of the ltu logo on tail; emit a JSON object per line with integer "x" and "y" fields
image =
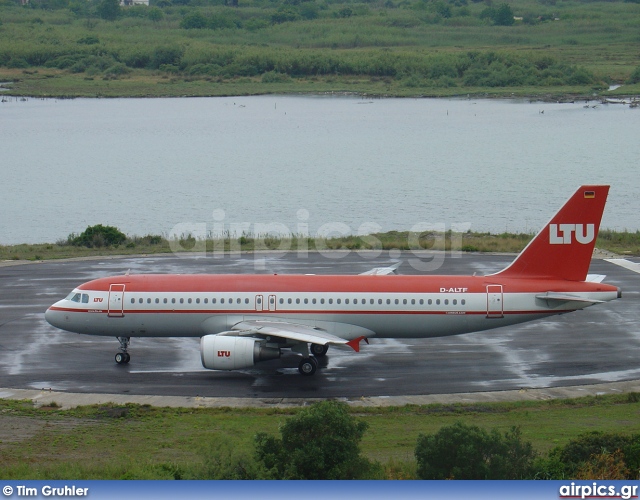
{"x": 560, "y": 234}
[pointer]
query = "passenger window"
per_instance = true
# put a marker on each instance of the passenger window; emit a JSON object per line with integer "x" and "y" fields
{"x": 164, "y": 300}
{"x": 371, "y": 301}
{"x": 197, "y": 301}
{"x": 397, "y": 301}
{"x": 438, "y": 301}
{"x": 282, "y": 301}
{"x": 430, "y": 301}
{"x": 149, "y": 301}
{"x": 455, "y": 302}
{"x": 239, "y": 301}
{"x": 206, "y": 301}
{"x": 157, "y": 301}
{"x": 463, "y": 302}
{"x": 140, "y": 300}
{"x": 133, "y": 301}
{"x": 413, "y": 302}
{"x": 388, "y": 301}
{"x": 322, "y": 301}
{"x": 421, "y": 302}
{"x": 313, "y": 301}
{"x": 246, "y": 301}
{"x": 330, "y": 301}
{"x": 404, "y": 301}
{"x": 379, "y": 301}
{"x": 213, "y": 301}
{"x": 306, "y": 301}
{"x": 446, "y": 302}
{"x": 173, "y": 301}
{"x": 189, "y": 301}
{"x": 355, "y": 301}
{"x": 346, "y": 301}
{"x": 222, "y": 301}
{"x": 182, "y": 301}
{"x": 297, "y": 301}
{"x": 339, "y": 301}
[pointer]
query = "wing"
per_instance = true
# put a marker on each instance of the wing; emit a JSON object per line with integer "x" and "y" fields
{"x": 381, "y": 271}
{"x": 299, "y": 333}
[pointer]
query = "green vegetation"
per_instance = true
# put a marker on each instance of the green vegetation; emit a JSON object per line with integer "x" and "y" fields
{"x": 397, "y": 47}
{"x": 320, "y": 442}
{"x": 228, "y": 443}
{"x": 461, "y": 451}
{"x": 105, "y": 240}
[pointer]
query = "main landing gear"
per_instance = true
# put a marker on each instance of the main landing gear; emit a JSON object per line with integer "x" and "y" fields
{"x": 122, "y": 358}
{"x": 308, "y": 366}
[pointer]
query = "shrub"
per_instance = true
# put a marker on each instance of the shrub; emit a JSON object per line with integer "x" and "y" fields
{"x": 320, "y": 442}
{"x": 635, "y": 76}
{"x": 98, "y": 236}
{"x": 461, "y": 451}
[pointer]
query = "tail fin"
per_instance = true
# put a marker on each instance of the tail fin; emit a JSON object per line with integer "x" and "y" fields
{"x": 563, "y": 249}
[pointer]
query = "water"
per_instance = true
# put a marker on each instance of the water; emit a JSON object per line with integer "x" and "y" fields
{"x": 335, "y": 164}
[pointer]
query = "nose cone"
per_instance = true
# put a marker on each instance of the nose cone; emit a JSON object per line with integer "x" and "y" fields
{"x": 53, "y": 317}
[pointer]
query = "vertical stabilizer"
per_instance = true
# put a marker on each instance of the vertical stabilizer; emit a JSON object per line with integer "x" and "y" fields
{"x": 563, "y": 249}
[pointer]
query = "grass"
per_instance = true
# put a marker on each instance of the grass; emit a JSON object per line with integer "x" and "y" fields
{"x": 144, "y": 442}
{"x": 621, "y": 242}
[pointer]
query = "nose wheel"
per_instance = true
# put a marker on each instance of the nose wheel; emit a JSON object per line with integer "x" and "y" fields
{"x": 122, "y": 358}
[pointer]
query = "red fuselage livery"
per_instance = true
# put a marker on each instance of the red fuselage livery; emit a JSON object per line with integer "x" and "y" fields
{"x": 244, "y": 319}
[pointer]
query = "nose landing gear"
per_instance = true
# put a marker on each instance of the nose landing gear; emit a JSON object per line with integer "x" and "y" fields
{"x": 122, "y": 358}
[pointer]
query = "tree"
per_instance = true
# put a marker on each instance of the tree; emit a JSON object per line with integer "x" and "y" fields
{"x": 98, "y": 236}
{"x": 503, "y": 15}
{"x": 194, "y": 20}
{"x": 461, "y": 451}
{"x": 155, "y": 14}
{"x": 109, "y": 9}
{"x": 320, "y": 442}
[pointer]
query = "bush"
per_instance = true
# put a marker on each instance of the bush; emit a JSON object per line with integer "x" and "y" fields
{"x": 461, "y": 451}
{"x": 320, "y": 442}
{"x": 98, "y": 236}
{"x": 194, "y": 20}
{"x": 591, "y": 450}
{"x": 635, "y": 76}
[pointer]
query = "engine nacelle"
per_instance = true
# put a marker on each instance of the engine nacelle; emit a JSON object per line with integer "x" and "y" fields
{"x": 221, "y": 352}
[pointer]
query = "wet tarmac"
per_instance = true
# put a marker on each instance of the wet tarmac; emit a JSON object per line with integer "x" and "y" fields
{"x": 597, "y": 345}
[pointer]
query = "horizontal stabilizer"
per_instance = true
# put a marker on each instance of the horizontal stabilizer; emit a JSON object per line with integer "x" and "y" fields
{"x": 595, "y": 278}
{"x": 627, "y": 264}
{"x": 566, "y": 297}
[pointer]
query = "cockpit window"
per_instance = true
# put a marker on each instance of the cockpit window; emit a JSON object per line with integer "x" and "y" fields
{"x": 85, "y": 298}
{"x": 75, "y": 297}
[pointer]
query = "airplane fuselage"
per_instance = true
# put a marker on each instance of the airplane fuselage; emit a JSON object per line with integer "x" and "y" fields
{"x": 345, "y": 306}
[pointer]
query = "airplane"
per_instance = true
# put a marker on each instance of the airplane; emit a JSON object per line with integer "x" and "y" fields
{"x": 245, "y": 319}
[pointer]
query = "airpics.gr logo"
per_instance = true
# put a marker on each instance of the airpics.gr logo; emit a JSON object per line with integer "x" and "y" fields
{"x": 561, "y": 234}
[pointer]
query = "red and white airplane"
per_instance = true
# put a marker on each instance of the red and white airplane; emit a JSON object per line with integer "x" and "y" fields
{"x": 244, "y": 319}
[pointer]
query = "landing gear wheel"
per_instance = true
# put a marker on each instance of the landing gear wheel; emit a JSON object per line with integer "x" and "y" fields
{"x": 308, "y": 366}
{"x": 318, "y": 350}
{"x": 122, "y": 358}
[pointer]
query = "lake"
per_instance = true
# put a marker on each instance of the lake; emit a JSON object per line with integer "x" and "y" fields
{"x": 332, "y": 164}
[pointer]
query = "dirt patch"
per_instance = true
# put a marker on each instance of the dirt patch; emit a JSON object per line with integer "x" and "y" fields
{"x": 16, "y": 429}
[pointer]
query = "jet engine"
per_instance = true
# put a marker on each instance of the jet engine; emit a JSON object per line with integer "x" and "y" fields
{"x": 221, "y": 352}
